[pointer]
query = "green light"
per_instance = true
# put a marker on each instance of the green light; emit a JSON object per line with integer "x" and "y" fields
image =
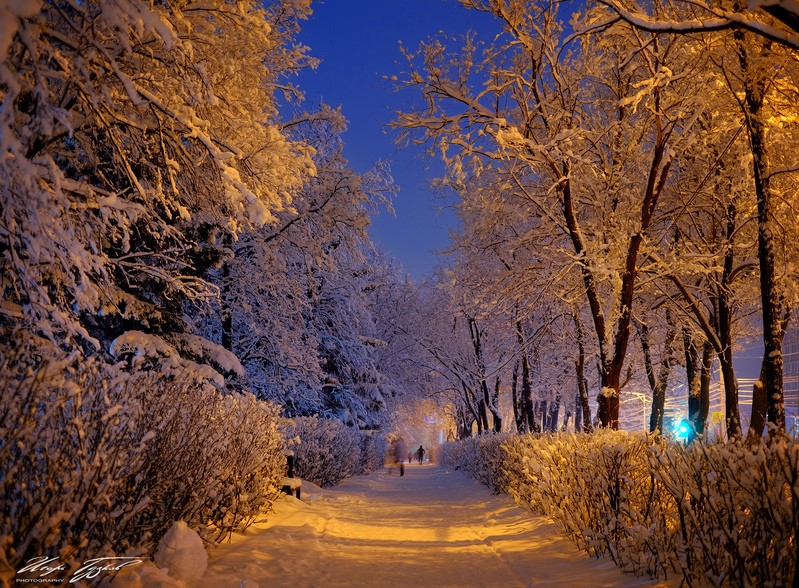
{"x": 683, "y": 429}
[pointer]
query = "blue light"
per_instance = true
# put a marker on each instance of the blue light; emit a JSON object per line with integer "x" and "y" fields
{"x": 684, "y": 430}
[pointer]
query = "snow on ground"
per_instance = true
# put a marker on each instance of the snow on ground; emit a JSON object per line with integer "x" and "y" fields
{"x": 430, "y": 528}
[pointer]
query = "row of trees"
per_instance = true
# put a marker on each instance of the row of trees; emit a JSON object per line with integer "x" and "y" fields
{"x": 167, "y": 201}
{"x": 159, "y": 198}
{"x": 614, "y": 185}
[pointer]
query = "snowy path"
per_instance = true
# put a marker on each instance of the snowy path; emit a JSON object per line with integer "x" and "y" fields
{"x": 430, "y": 528}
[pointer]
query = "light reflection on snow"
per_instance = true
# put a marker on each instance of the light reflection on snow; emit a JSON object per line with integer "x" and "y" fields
{"x": 428, "y": 528}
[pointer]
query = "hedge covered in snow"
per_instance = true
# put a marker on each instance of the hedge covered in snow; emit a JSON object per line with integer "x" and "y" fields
{"x": 716, "y": 514}
{"x": 327, "y": 450}
{"x": 483, "y": 458}
{"x": 97, "y": 460}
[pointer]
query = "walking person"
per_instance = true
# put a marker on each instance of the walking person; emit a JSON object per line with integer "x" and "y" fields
{"x": 420, "y": 454}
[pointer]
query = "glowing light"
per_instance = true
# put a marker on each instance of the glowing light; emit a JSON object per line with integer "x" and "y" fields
{"x": 684, "y": 430}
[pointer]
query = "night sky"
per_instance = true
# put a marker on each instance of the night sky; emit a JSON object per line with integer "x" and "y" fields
{"x": 358, "y": 43}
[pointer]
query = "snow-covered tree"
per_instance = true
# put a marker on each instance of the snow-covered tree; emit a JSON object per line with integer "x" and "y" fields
{"x": 757, "y": 39}
{"x": 295, "y": 295}
{"x": 588, "y": 134}
{"x": 773, "y": 20}
{"x": 132, "y": 133}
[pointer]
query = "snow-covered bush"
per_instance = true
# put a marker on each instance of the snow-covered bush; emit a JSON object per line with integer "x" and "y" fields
{"x": 598, "y": 487}
{"x": 98, "y": 461}
{"x": 227, "y": 449}
{"x": 481, "y": 457}
{"x": 738, "y": 510}
{"x": 329, "y": 451}
{"x": 374, "y": 450}
{"x": 719, "y": 514}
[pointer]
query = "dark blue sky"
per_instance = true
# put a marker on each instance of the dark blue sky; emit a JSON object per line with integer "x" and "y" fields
{"x": 358, "y": 43}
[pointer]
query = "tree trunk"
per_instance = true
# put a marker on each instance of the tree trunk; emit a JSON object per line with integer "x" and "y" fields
{"x": 527, "y": 388}
{"x": 658, "y": 385}
{"x": 474, "y": 407}
{"x": 554, "y": 413}
{"x": 697, "y": 371}
{"x": 482, "y": 417}
{"x": 464, "y": 424}
{"x": 542, "y": 410}
{"x": 757, "y": 420}
{"x": 732, "y": 416}
{"x": 771, "y": 300}
{"x": 518, "y": 411}
{"x": 534, "y": 424}
{"x": 495, "y": 407}
{"x": 692, "y": 376}
{"x": 582, "y": 386}
{"x": 704, "y": 387}
{"x": 666, "y": 362}
{"x": 527, "y": 395}
{"x": 486, "y": 407}
{"x": 657, "y": 403}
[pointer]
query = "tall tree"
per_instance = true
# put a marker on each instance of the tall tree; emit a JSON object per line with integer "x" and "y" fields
{"x": 122, "y": 156}
{"x": 567, "y": 128}
{"x": 583, "y": 409}
{"x": 284, "y": 309}
{"x": 758, "y": 44}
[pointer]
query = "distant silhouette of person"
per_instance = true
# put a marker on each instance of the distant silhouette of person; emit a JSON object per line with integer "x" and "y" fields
{"x": 400, "y": 450}
{"x": 420, "y": 454}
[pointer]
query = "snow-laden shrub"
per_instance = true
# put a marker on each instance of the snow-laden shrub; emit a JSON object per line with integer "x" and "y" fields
{"x": 227, "y": 451}
{"x": 96, "y": 461}
{"x": 481, "y": 457}
{"x": 329, "y": 451}
{"x": 719, "y": 514}
{"x": 598, "y": 487}
{"x": 737, "y": 508}
{"x": 374, "y": 450}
